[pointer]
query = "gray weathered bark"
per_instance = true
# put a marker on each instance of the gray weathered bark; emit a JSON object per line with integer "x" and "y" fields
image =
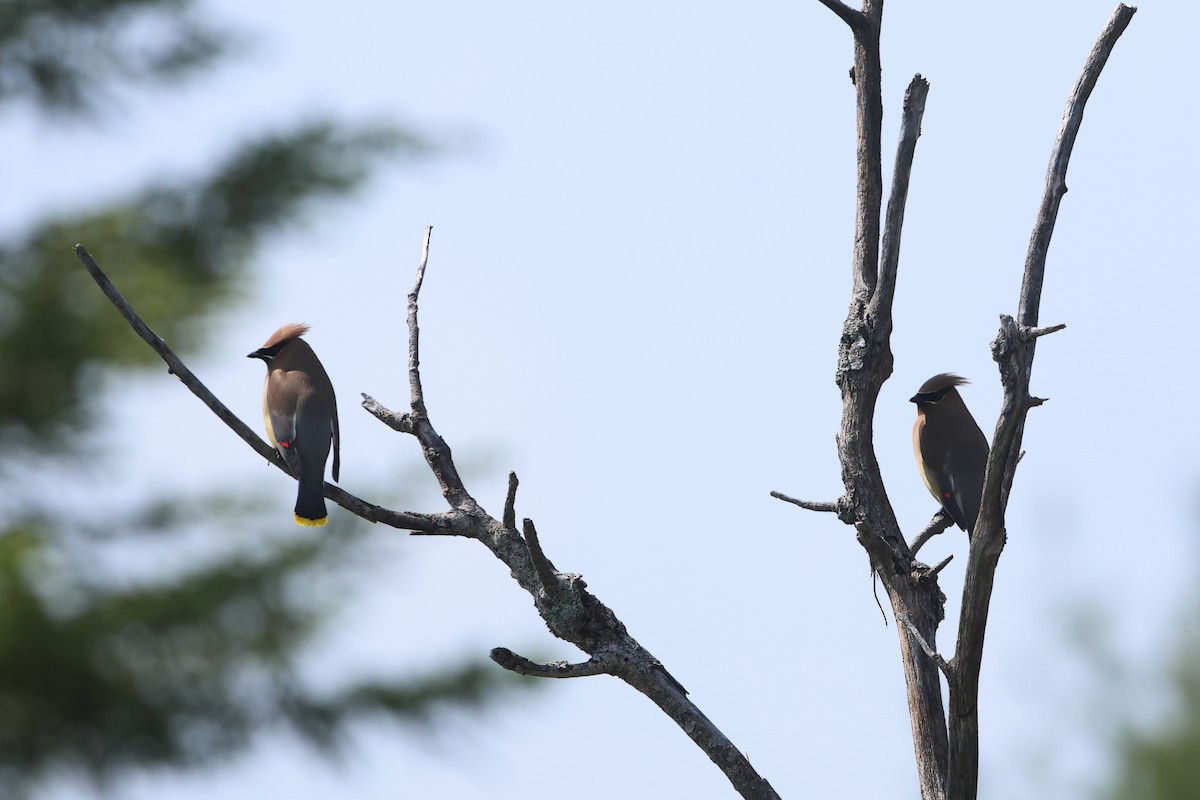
{"x": 1013, "y": 350}
{"x": 570, "y": 611}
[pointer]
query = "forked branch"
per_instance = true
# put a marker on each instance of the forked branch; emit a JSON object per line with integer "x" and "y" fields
{"x": 430, "y": 523}
{"x": 864, "y": 363}
{"x": 947, "y": 754}
{"x": 569, "y": 610}
{"x": 852, "y": 17}
{"x": 1013, "y": 349}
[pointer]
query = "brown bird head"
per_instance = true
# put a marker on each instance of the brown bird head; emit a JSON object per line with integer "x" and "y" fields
{"x": 937, "y": 389}
{"x": 279, "y": 339}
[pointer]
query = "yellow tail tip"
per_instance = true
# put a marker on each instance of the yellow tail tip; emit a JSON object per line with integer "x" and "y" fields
{"x": 311, "y": 523}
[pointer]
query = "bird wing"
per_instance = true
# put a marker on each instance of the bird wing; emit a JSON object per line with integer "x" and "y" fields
{"x": 952, "y": 499}
{"x": 279, "y": 413}
{"x": 314, "y": 431}
{"x": 938, "y": 473}
{"x": 337, "y": 441}
{"x": 967, "y": 471}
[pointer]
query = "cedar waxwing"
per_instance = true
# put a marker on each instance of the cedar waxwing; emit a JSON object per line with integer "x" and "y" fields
{"x": 300, "y": 412}
{"x": 951, "y": 450}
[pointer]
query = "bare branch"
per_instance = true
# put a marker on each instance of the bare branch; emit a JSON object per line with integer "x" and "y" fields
{"x": 1056, "y": 173}
{"x": 1014, "y": 353}
{"x": 868, "y": 94}
{"x": 506, "y": 658}
{"x": 430, "y": 523}
{"x": 864, "y": 363}
{"x": 810, "y": 505}
{"x": 437, "y": 452}
{"x": 941, "y": 565}
{"x": 1033, "y": 333}
{"x": 510, "y": 503}
{"x": 447, "y": 523}
{"x": 545, "y": 570}
{"x": 176, "y": 366}
{"x": 852, "y": 17}
{"x": 569, "y": 610}
{"x": 940, "y": 522}
{"x": 414, "y": 333}
{"x": 397, "y": 422}
{"x": 910, "y": 131}
{"x": 943, "y": 665}
{"x": 875, "y": 594}
{"x": 666, "y": 692}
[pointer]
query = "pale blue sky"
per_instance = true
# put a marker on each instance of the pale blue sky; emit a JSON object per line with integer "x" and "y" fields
{"x": 638, "y": 278}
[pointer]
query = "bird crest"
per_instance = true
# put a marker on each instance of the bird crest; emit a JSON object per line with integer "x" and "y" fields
{"x": 293, "y": 330}
{"x": 937, "y": 383}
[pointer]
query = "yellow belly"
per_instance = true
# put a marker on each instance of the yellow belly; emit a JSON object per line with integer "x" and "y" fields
{"x": 267, "y": 420}
{"x": 923, "y": 468}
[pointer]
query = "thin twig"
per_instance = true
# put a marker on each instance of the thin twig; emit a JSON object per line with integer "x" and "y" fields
{"x": 937, "y": 658}
{"x": 429, "y": 523}
{"x": 811, "y": 505}
{"x": 402, "y": 423}
{"x": 875, "y": 594}
{"x": 1034, "y": 333}
{"x": 596, "y": 665}
{"x": 414, "y": 333}
{"x": 941, "y": 565}
{"x": 437, "y": 453}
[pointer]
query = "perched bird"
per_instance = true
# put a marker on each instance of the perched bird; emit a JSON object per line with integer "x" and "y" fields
{"x": 300, "y": 412}
{"x": 951, "y": 450}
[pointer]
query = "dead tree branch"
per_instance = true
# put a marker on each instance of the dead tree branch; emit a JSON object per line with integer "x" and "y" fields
{"x": 940, "y": 522}
{"x": 506, "y": 658}
{"x": 510, "y": 502}
{"x": 1013, "y": 349}
{"x": 825, "y": 506}
{"x": 943, "y": 665}
{"x": 889, "y": 266}
{"x": 852, "y": 17}
{"x": 428, "y": 523}
{"x": 569, "y": 610}
{"x": 864, "y": 363}
{"x": 946, "y": 749}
